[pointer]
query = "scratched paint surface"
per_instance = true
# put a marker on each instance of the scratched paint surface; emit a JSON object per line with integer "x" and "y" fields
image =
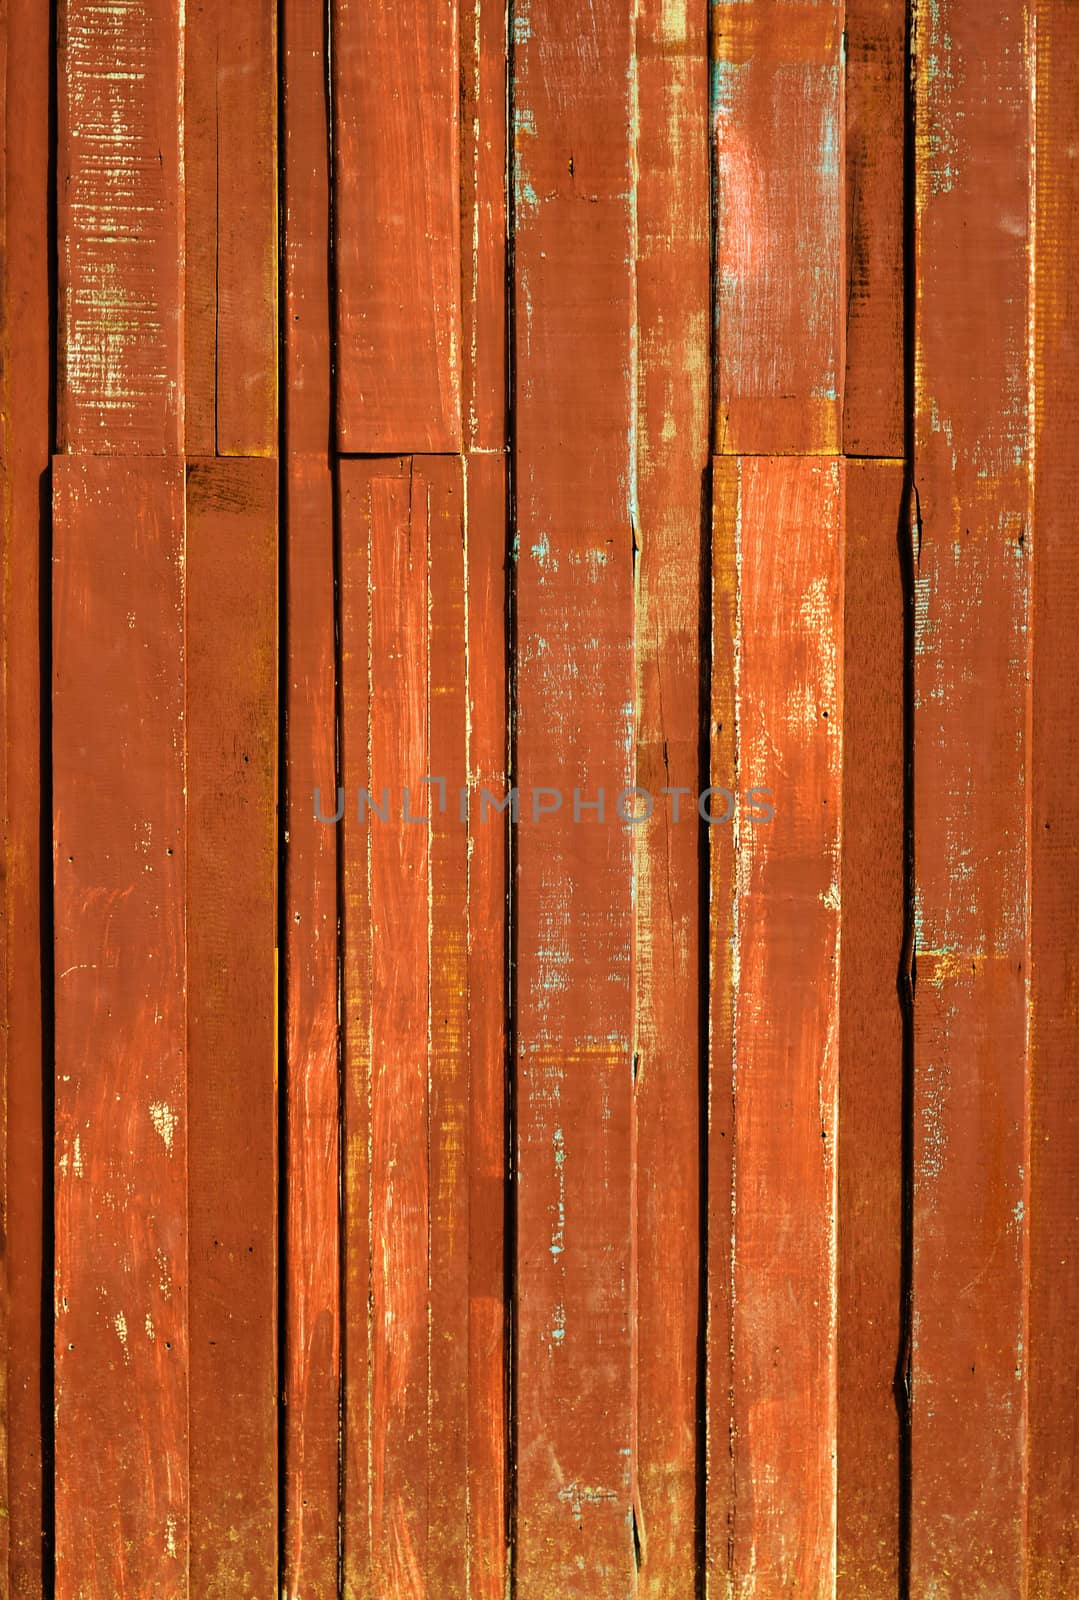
{"x": 519, "y": 1203}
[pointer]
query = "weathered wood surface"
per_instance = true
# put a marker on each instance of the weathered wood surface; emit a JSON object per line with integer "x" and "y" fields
{"x": 672, "y": 434}
{"x": 25, "y": 404}
{"x": 670, "y": 395}
{"x": 231, "y": 895}
{"x": 780, "y": 530}
{"x": 1052, "y": 1519}
{"x": 972, "y": 534}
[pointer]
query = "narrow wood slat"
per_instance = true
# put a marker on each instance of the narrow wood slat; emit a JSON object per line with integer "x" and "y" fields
{"x": 448, "y": 1066}
{"x": 231, "y": 599}
{"x": 784, "y": 519}
{"x": 247, "y": 267}
{"x": 200, "y": 226}
{"x": 24, "y": 458}
{"x": 576, "y": 1266}
{"x": 973, "y": 425}
{"x": 397, "y": 226}
{"x": 488, "y": 884}
{"x": 387, "y": 1038}
{"x": 871, "y": 1066}
{"x": 673, "y": 425}
{"x": 121, "y": 1400}
{"x": 874, "y": 159}
{"x": 312, "y": 1264}
{"x": 483, "y": 212}
{"x": 777, "y": 101}
{"x": 120, "y": 226}
{"x": 1053, "y": 1522}
{"x": 305, "y": 240}
{"x": 311, "y": 1377}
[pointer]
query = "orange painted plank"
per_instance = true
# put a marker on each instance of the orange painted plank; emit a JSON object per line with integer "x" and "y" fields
{"x": 488, "y": 884}
{"x": 387, "y": 1037}
{"x": 397, "y": 225}
{"x": 448, "y": 1066}
{"x": 120, "y": 227}
{"x": 787, "y": 536}
{"x": 777, "y": 110}
{"x": 973, "y": 427}
{"x": 875, "y": 113}
{"x": 200, "y": 226}
{"x": 231, "y": 722}
{"x": 576, "y": 1258}
{"x": 673, "y": 402}
{"x": 357, "y": 480}
{"x": 121, "y": 1401}
{"x": 718, "y": 1175}
{"x": 24, "y": 459}
{"x": 1053, "y": 1522}
{"x": 312, "y": 1260}
{"x": 311, "y": 1263}
{"x": 305, "y": 241}
{"x": 230, "y": 224}
{"x": 483, "y": 210}
{"x": 871, "y": 1064}
{"x": 247, "y": 266}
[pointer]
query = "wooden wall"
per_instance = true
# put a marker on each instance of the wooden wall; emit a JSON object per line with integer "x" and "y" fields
{"x": 613, "y": 405}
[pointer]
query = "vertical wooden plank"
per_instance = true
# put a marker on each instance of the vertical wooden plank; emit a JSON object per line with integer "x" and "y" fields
{"x": 575, "y": 1283}
{"x": 973, "y": 87}
{"x": 311, "y": 1250}
{"x": 487, "y": 996}
{"x": 306, "y": 231}
{"x": 231, "y": 598}
{"x": 787, "y": 537}
{"x": 1053, "y": 1523}
{"x": 875, "y": 115}
{"x": 120, "y": 226}
{"x": 448, "y": 1068}
{"x": 673, "y": 426}
{"x": 356, "y": 484}
{"x": 777, "y": 109}
{"x": 718, "y": 1189}
{"x": 870, "y": 1221}
{"x": 200, "y": 226}
{"x": 483, "y": 212}
{"x": 24, "y": 458}
{"x": 400, "y": 912}
{"x": 397, "y": 226}
{"x": 247, "y": 230}
{"x": 121, "y": 1084}
{"x": 312, "y": 1256}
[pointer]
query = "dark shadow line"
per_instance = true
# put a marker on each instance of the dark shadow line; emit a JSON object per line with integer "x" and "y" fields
{"x": 512, "y": 930}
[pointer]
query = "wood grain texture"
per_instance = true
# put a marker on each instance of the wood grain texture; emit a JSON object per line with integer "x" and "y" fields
{"x": 397, "y": 223}
{"x": 875, "y": 112}
{"x": 1053, "y": 1522}
{"x": 121, "y": 1401}
{"x": 488, "y": 946}
{"x": 120, "y": 227}
{"x": 230, "y": 228}
{"x": 973, "y": 428}
{"x": 575, "y": 416}
{"x": 305, "y": 239}
{"x": 231, "y": 723}
{"x": 780, "y": 275}
{"x": 247, "y": 267}
{"x": 484, "y": 223}
{"x": 871, "y": 1066}
{"x": 312, "y": 1365}
{"x": 787, "y": 538}
{"x": 673, "y": 423}
{"x": 311, "y": 1135}
{"x": 24, "y": 460}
